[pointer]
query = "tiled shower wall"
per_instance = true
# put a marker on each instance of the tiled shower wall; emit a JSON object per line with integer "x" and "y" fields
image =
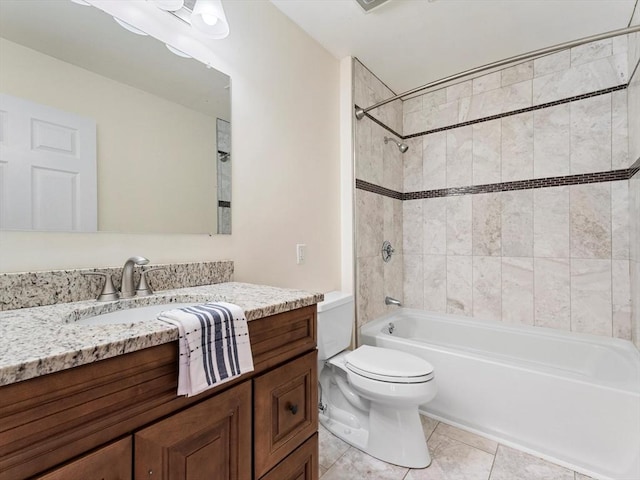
{"x": 556, "y": 256}
{"x": 633, "y": 93}
{"x": 378, "y": 217}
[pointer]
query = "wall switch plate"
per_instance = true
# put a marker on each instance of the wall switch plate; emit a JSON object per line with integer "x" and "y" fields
{"x": 301, "y": 253}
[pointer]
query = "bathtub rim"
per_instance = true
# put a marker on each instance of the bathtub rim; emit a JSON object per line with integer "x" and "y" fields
{"x": 375, "y": 329}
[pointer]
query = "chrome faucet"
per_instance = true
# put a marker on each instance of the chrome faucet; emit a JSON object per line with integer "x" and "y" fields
{"x": 392, "y": 301}
{"x": 127, "y": 289}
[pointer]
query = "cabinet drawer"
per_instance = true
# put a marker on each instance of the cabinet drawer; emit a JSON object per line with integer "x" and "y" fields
{"x": 281, "y": 337}
{"x": 112, "y": 462}
{"x": 302, "y": 464}
{"x": 286, "y": 411}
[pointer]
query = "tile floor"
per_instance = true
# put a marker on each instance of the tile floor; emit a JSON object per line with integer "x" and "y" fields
{"x": 455, "y": 454}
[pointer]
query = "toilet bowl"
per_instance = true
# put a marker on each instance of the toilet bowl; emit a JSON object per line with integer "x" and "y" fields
{"x": 369, "y": 397}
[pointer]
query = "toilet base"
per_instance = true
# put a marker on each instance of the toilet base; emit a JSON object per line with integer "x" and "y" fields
{"x": 394, "y": 435}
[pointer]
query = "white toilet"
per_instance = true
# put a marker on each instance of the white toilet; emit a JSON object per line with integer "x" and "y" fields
{"x": 369, "y": 397}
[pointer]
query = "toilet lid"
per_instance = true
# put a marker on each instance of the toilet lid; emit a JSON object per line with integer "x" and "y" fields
{"x": 388, "y": 365}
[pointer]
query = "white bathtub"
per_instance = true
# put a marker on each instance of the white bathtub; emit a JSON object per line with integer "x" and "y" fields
{"x": 570, "y": 398}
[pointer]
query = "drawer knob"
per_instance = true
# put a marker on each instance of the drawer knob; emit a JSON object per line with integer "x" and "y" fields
{"x": 292, "y": 408}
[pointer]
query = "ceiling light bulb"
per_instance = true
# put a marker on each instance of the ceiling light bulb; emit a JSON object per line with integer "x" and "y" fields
{"x": 208, "y": 17}
{"x": 169, "y": 5}
{"x": 128, "y": 26}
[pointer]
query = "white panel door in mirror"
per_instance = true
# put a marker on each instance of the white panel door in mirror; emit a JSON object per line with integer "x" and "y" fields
{"x": 48, "y": 168}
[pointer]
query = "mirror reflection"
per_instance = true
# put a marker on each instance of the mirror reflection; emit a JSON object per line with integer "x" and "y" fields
{"x": 105, "y": 130}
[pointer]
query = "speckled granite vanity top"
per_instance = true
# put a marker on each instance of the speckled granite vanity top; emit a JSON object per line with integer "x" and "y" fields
{"x": 41, "y": 340}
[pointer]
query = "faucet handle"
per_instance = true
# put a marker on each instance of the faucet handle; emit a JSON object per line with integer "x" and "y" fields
{"x": 143, "y": 285}
{"x": 108, "y": 292}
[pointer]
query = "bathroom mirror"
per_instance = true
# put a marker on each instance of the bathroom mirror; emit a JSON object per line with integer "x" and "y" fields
{"x": 102, "y": 129}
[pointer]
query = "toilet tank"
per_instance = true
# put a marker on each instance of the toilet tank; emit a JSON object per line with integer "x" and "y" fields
{"x": 335, "y": 324}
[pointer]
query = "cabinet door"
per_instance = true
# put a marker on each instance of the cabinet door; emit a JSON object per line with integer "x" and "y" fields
{"x": 112, "y": 462}
{"x": 302, "y": 464}
{"x": 209, "y": 440}
{"x": 286, "y": 410}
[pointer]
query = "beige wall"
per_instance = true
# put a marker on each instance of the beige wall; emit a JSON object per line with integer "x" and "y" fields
{"x": 143, "y": 143}
{"x": 286, "y": 178}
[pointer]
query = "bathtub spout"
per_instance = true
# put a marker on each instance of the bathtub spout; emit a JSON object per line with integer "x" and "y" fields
{"x": 392, "y": 301}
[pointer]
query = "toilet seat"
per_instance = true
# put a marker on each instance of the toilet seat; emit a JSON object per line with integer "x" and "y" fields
{"x": 388, "y": 365}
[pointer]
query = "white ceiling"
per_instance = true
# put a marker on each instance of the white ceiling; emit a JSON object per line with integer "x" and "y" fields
{"x": 408, "y": 43}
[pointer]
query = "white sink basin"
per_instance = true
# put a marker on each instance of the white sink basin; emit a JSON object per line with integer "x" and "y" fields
{"x": 132, "y": 315}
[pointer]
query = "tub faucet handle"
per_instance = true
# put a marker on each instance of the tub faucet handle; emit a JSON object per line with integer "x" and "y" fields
{"x": 392, "y": 301}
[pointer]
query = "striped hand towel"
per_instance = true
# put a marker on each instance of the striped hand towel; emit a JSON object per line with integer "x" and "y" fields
{"x": 214, "y": 345}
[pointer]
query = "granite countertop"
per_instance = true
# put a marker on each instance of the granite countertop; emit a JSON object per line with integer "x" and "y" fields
{"x": 41, "y": 340}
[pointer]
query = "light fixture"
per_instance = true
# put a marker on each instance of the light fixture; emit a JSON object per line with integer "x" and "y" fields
{"x": 180, "y": 53}
{"x": 209, "y": 18}
{"x": 169, "y": 5}
{"x": 129, "y": 27}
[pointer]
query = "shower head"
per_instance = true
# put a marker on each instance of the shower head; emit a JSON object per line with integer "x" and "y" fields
{"x": 402, "y": 146}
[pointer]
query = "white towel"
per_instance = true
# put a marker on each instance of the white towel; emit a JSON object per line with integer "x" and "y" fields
{"x": 214, "y": 345}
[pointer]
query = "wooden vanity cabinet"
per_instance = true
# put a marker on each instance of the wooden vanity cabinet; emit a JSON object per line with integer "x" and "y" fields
{"x": 111, "y": 462}
{"x": 120, "y": 418}
{"x": 212, "y": 436}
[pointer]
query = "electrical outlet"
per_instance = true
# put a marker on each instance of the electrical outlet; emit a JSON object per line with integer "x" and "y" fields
{"x": 301, "y": 253}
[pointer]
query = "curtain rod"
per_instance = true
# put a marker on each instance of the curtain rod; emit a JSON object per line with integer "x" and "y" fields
{"x": 360, "y": 112}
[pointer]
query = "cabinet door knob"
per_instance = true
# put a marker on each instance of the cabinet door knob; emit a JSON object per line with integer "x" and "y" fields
{"x": 292, "y": 408}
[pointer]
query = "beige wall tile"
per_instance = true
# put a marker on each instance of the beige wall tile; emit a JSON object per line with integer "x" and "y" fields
{"x": 413, "y": 281}
{"x": 591, "y": 134}
{"x": 551, "y": 222}
{"x": 517, "y": 147}
{"x": 487, "y": 138}
{"x": 517, "y": 223}
{"x": 459, "y": 285}
{"x": 369, "y": 223}
{"x": 619, "y": 131}
{"x": 517, "y": 290}
{"x": 434, "y": 161}
{"x": 370, "y": 289}
{"x": 620, "y": 219}
{"x": 412, "y": 227}
{"x": 552, "y": 301}
{"x": 590, "y": 211}
{"x": 412, "y": 165}
{"x": 434, "y": 211}
{"x": 459, "y": 156}
{"x": 552, "y": 141}
{"x": 459, "y": 225}
{"x": 621, "y": 298}
{"x": 486, "y": 236}
{"x": 517, "y": 73}
{"x": 435, "y": 283}
{"x": 487, "y": 293}
{"x": 591, "y": 303}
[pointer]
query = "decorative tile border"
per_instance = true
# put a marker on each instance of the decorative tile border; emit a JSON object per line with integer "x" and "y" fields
{"x": 35, "y": 289}
{"x": 373, "y": 188}
{"x": 224, "y": 203}
{"x": 634, "y": 169}
{"x": 578, "y": 179}
{"x": 575, "y": 98}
